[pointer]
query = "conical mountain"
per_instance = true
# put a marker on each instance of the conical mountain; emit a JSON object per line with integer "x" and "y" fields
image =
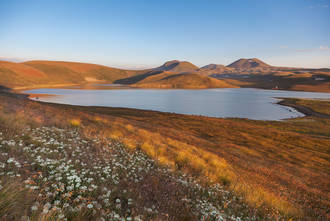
{"x": 177, "y": 66}
{"x": 248, "y": 63}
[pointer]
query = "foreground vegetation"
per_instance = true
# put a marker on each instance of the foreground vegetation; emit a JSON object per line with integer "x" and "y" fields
{"x": 51, "y": 173}
{"x": 233, "y": 168}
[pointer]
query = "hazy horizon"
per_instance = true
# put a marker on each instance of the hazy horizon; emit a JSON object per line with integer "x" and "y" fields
{"x": 145, "y": 34}
{"x": 138, "y": 67}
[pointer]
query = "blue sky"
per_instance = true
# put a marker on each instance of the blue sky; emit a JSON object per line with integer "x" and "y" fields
{"x": 137, "y": 34}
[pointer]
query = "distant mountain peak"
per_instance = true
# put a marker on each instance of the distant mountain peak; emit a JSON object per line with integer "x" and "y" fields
{"x": 246, "y": 63}
{"x": 168, "y": 63}
{"x": 177, "y": 66}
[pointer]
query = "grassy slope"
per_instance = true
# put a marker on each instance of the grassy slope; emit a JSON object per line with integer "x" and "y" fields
{"x": 82, "y": 70}
{"x": 41, "y": 73}
{"x": 282, "y": 165}
{"x": 12, "y": 74}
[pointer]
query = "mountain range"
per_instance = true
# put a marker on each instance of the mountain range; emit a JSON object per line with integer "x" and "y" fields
{"x": 250, "y": 72}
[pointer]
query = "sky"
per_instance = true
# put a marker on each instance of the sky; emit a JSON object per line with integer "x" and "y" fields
{"x": 138, "y": 34}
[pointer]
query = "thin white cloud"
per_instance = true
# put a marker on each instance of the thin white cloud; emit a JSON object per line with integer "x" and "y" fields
{"x": 324, "y": 48}
{"x": 284, "y": 46}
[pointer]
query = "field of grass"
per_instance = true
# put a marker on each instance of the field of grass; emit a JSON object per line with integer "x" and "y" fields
{"x": 272, "y": 170}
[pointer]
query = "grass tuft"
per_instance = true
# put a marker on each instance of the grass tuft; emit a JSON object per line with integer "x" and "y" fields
{"x": 75, "y": 123}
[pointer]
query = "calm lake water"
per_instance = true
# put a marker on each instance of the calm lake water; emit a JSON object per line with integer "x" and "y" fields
{"x": 234, "y": 102}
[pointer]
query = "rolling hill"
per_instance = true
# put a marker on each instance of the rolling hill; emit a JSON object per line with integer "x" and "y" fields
{"x": 52, "y": 73}
{"x": 188, "y": 80}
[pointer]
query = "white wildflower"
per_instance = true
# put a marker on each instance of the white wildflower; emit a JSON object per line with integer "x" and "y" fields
{"x": 34, "y": 208}
{"x": 10, "y": 160}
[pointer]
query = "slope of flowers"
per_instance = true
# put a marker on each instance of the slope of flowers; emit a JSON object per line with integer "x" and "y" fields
{"x": 65, "y": 176}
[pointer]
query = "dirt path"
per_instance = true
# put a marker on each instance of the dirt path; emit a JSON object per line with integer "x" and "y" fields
{"x": 305, "y": 110}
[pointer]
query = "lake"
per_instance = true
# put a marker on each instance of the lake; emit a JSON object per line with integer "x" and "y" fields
{"x": 249, "y": 103}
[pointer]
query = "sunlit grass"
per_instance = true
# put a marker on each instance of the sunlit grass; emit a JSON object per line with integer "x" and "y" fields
{"x": 75, "y": 122}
